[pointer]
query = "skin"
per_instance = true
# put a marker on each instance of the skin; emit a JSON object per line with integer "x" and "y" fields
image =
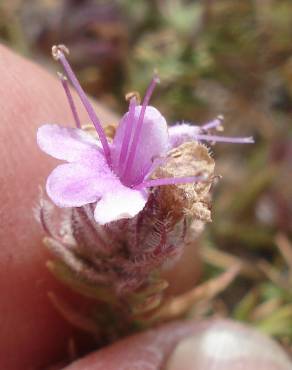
{"x": 32, "y": 334}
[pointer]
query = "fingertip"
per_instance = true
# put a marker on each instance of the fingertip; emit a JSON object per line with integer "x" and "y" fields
{"x": 32, "y": 333}
{"x": 188, "y": 345}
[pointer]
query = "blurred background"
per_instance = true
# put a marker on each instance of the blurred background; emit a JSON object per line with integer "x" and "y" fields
{"x": 213, "y": 57}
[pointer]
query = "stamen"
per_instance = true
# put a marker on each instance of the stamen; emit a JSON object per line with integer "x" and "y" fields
{"x": 225, "y": 139}
{"x": 128, "y": 132}
{"x": 65, "y": 85}
{"x": 157, "y": 162}
{"x": 213, "y": 124}
{"x": 58, "y": 53}
{"x": 169, "y": 181}
{"x": 137, "y": 134}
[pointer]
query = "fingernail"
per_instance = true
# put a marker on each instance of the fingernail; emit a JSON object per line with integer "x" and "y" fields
{"x": 226, "y": 345}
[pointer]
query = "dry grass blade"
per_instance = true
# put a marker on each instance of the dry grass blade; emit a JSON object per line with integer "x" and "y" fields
{"x": 266, "y": 309}
{"x": 278, "y": 323}
{"x": 225, "y": 260}
{"x": 285, "y": 248}
{"x": 180, "y": 305}
{"x": 273, "y": 274}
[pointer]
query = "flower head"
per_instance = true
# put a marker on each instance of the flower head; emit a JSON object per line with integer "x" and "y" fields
{"x": 115, "y": 175}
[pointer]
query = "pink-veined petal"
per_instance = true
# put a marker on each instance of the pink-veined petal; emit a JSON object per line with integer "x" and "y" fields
{"x": 153, "y": 143}
{"x": 181, "y": 133}
{"x": 69, "y": 144}
{"x": 118, "y": 203}
{"x": 79, "y": 183}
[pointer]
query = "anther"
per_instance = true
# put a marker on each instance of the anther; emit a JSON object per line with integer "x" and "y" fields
{"x": 133, "y": 94}
{"x": 57, "y": 50}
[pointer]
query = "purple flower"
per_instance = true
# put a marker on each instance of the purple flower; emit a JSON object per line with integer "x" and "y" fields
{"x": 116, "y": 176}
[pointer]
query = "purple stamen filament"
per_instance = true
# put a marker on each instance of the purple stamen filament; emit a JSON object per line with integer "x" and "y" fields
{"x": 134, "y": 145}
{"x": 60, "y": 56}
{"x": 127, "y": 134}
{"x": 64, "y": 82}
{"x": 169, "y": 181}
{"x": 150, "y": 168}
{"x": 225, "y": 139}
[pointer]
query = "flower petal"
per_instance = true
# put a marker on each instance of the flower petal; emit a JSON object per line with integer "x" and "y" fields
{"x": 76, "y": 184}
{"x": 153, "y": 143}
{"x": 121, "y": 202}
{"x": 69, "y": 144}
{"x": 181, "y": 133}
